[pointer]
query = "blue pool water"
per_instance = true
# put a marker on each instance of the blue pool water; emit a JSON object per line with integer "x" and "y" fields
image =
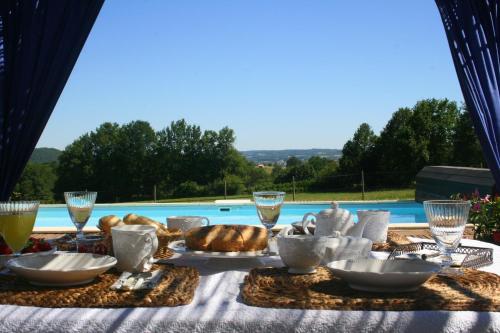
{"x": 401, "y": 212}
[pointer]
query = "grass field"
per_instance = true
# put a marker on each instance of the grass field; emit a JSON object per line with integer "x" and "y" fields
{"x": 389, "y": 194}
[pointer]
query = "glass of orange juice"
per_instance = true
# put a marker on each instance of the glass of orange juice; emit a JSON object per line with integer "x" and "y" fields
{"x": 17, "y": 219}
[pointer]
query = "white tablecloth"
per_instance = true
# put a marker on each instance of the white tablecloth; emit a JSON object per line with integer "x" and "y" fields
{"x": 217, "y": 307}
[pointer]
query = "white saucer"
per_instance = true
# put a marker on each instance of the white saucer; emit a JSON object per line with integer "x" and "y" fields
{"x": 61, "y": 269}
{"x": 6, "y": 257}
{"x": 384, "y": 275}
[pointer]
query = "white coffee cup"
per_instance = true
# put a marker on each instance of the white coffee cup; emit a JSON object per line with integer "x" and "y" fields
{"x": 134, "y": 247}
{"x": 184, "y": 223}
{"x": 376, "y": 224}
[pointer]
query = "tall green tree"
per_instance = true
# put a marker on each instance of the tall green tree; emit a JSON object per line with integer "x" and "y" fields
{"x": 433, "y": 123}
{"x": 113, "y": 160}
{"x": 36, "y": 183}
{"x": 466, "y": 148}
{"x": 105, "y": 142}
{"x": 327, "y": 178}
{"x": 414, "y": 138}
{"x": 355, "y": 151}
{"x": 76, "y": 167}
{"x": 396, "y": 149}
{"x": 185, "y": 153}
{"x": 318, "y": 163}
{"x": 134, "y": 157}
{"x": 293, "y": 161}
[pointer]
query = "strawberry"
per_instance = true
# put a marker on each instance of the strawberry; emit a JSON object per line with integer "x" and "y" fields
{"x": 5, "y": 249}
{"x": 32, "y": 245}
{"x": 36, "y": 245}
{"x": 83, "y": 249}
{"x": 100, "y": 249}
{"x": 45, "y": 246}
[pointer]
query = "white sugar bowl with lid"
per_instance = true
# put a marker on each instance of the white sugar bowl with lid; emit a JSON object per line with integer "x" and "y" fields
{"x": 301, "y": 253}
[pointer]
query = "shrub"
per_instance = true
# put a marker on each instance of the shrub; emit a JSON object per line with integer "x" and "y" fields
{"x": 484, "y": 214}
{"x": 189, "y": 189}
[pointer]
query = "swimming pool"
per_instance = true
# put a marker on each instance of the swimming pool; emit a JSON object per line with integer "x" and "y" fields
{"x": 57, "y": 216}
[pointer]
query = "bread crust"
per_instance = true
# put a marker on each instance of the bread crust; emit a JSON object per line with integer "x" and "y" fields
{"x": 109, "y": 221}
{"x": 135, "y": 219}
{"x": 226, "y": 238}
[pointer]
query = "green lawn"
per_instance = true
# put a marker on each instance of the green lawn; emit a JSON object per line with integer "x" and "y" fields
{"x": 399, "y": 194}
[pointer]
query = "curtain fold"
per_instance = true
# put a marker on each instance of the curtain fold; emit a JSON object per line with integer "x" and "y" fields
{"x": 473, "y": 31}
{"x": 40, "y": 41}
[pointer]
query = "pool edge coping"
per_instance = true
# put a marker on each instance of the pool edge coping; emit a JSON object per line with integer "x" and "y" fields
{"x": 312, "y": 202}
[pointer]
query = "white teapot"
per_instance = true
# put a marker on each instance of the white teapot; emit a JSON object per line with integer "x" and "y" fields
{"x": 334, "y": 221}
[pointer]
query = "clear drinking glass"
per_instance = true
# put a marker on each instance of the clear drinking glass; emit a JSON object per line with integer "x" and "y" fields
{"x": 80, "y": 205}
{"x": 268, "y": 206}
{"x": 17, "y": 219}
{"x": 447, "y": 219}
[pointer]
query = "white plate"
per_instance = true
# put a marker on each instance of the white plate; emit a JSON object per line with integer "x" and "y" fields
{"x": 180, "y": 247}
{"x": 61, "y": 269}
{"x": 6, "y": 257}
{"x": 384, "y": 275}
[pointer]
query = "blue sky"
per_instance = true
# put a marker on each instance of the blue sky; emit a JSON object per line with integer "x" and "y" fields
{"x": 282, "y": 74}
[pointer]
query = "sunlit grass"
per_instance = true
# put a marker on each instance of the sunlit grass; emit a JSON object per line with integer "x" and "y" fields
{"x": 389, "y": 194}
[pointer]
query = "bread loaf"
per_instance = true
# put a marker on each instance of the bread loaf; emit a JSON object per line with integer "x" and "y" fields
{"x": 109, "y": 221}
{"x": 226, "y": 238}
{"x": 135, "y": 219}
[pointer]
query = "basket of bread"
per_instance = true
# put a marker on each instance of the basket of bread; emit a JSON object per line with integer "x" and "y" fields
{"x": 164, "y": 234}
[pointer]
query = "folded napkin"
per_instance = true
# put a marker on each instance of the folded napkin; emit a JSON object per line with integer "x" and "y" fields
{"x": 137, "y": 281}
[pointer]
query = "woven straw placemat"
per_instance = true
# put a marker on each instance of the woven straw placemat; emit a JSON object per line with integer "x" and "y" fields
{"x": 275, "y": 288}
{"x": 177, "y": 287}
{"x": 393, "y": 241}
{"x": 163, "y": 253}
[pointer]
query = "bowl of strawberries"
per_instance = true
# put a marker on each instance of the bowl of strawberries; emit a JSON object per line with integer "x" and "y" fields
{"x": 34, "y": 246}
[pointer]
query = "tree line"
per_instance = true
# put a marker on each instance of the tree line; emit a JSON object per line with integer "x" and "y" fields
{"x": 433, "y": 132}
{"x": 125, "y": 162}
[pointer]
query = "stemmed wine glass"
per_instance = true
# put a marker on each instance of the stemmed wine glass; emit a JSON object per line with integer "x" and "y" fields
{"x": 268, "y": 206}
{"x": 17, "y": 219}
{"x": 80, "y": 205}
{"x": 447, "y": 219}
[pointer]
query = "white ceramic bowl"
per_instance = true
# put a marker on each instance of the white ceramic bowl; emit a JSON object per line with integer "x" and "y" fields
{"x": 61, "y": 269}
{"x": 384, "y": 275}
{"x": 346, "y": 248}
{"x": 301, "y": 253}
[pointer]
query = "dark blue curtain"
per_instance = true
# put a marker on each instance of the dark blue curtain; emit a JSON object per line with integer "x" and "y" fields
{"x": 473, "y": 31}
{"x": 40, "y": 41}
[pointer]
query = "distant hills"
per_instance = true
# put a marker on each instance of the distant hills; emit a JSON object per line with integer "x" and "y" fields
{"x": 45, "y": 155}
{"x": 273, "y": 156}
